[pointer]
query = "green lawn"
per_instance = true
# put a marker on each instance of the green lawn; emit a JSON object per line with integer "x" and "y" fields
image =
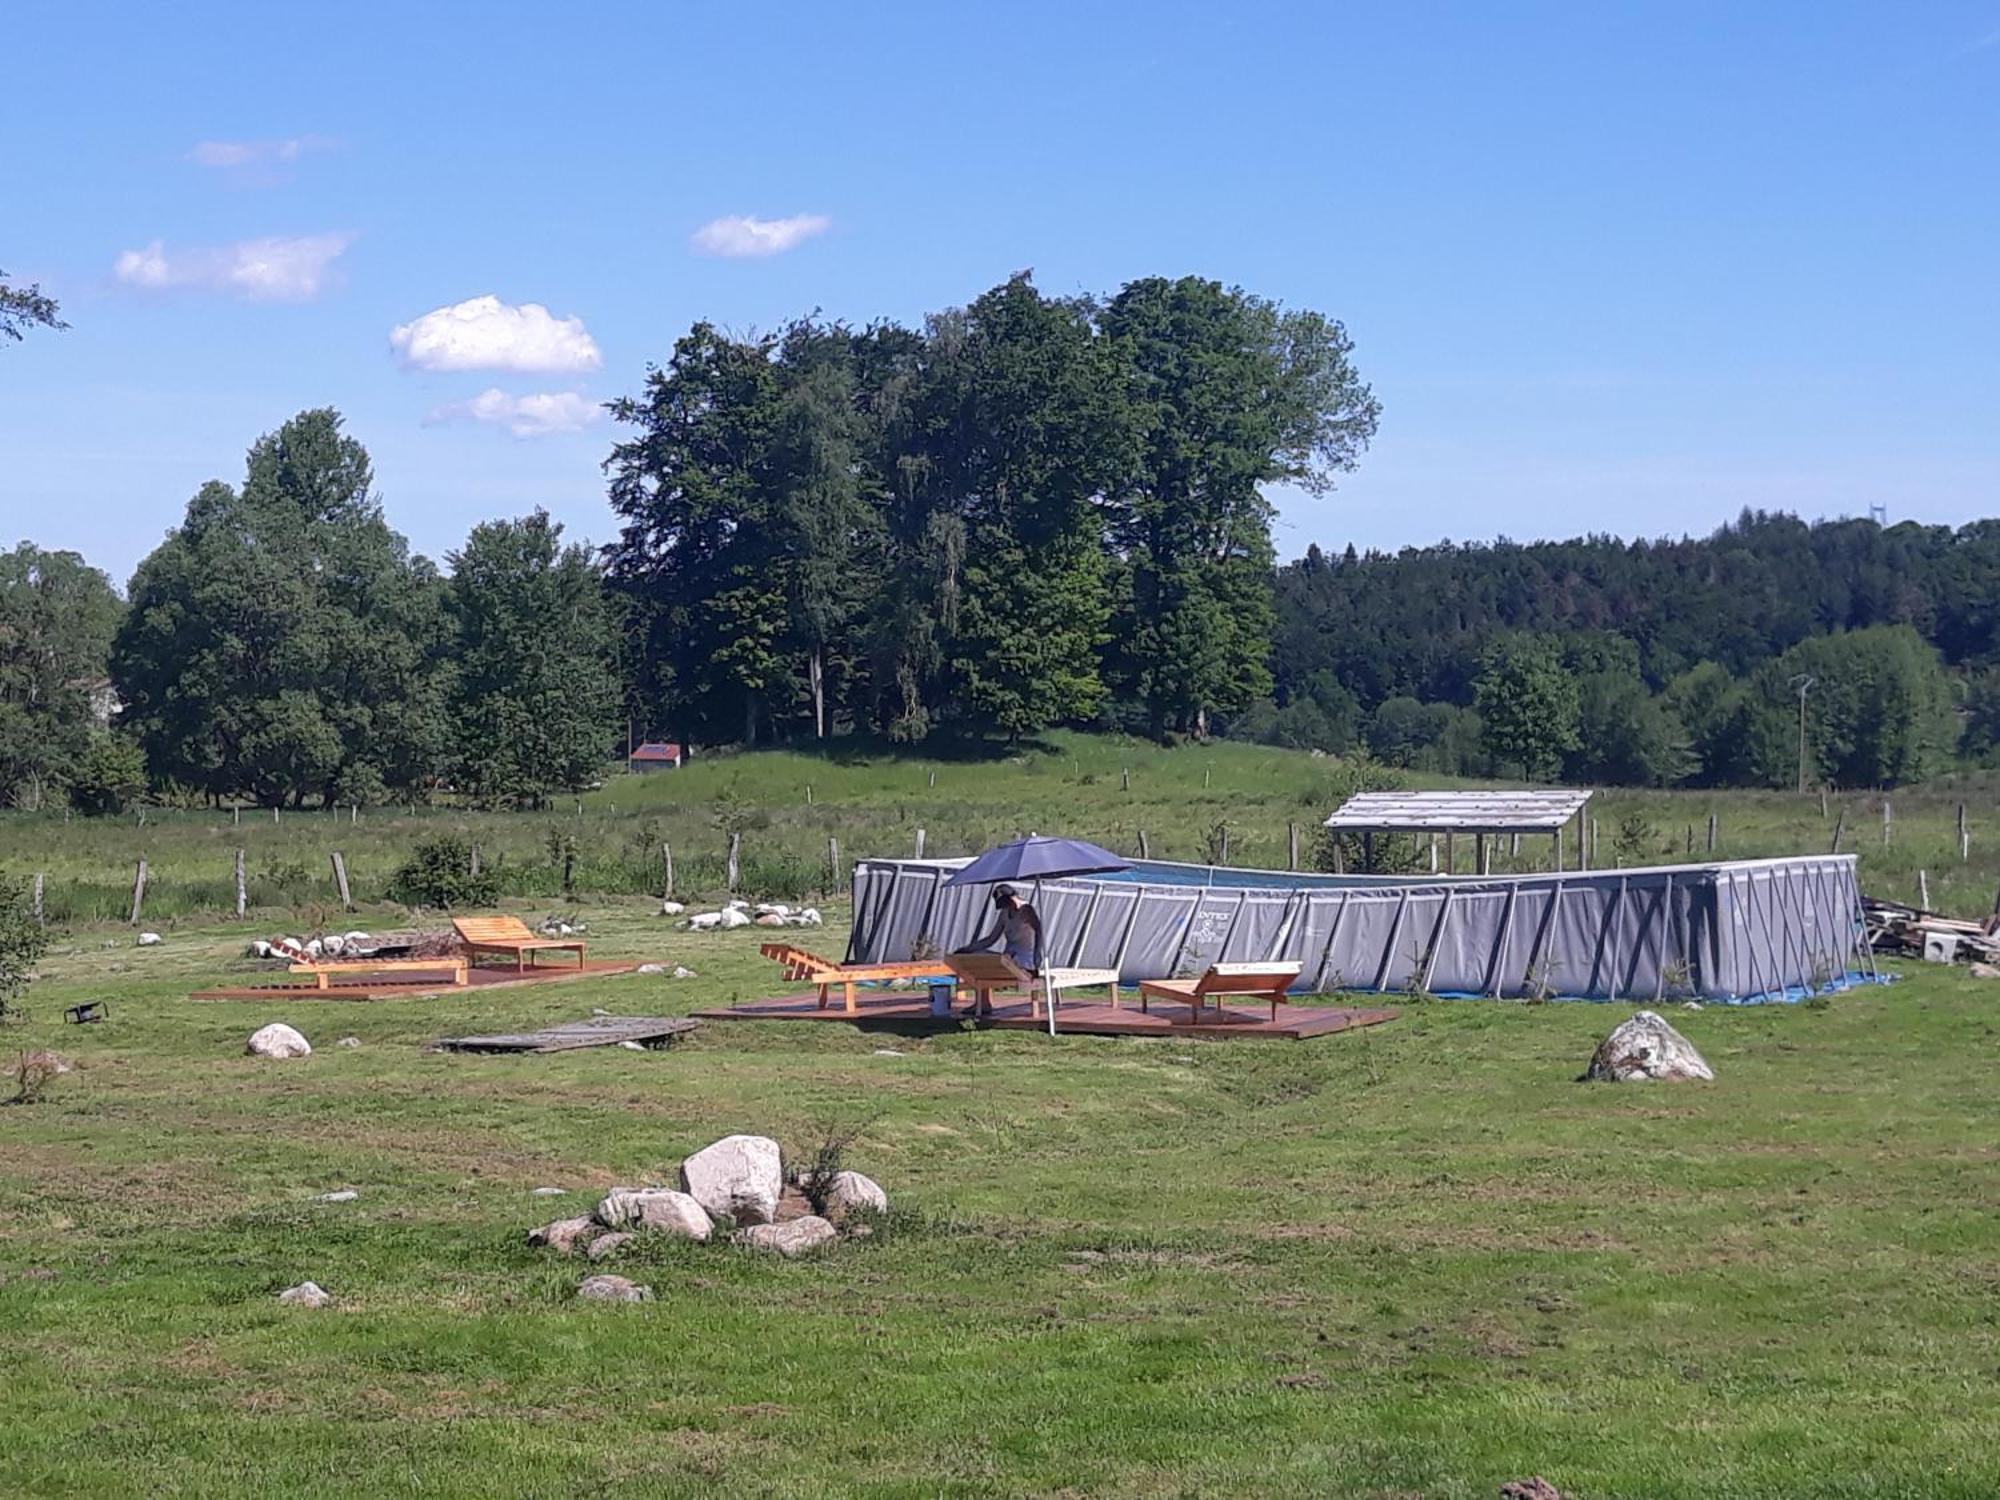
{"x": 1414, "y": 1261}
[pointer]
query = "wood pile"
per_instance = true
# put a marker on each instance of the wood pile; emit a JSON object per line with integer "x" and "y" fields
{"x": 1910, "y": 932}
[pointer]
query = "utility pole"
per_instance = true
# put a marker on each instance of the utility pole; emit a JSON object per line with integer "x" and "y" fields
{"x": 1803, "y": 684}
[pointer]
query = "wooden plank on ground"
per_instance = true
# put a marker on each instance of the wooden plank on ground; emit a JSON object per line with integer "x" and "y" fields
{"x": 595, "y": 1031}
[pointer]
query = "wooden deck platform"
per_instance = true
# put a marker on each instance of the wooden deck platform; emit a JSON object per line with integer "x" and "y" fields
{"x": 905, "y": 1011}
{"x": 280, "y": 987}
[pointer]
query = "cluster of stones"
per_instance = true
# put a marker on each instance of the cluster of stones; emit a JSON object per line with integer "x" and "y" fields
{"x": 737, "y": 1187}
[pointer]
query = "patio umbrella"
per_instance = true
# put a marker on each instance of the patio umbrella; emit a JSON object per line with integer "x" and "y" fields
{"x": 1038, "y": 858}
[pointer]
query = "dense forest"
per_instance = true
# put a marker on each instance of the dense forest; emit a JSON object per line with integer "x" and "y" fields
{"x": 1650, "y": 662}
{"x": 1029, "y": 511}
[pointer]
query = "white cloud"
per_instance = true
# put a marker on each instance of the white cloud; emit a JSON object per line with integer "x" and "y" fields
{"x": 255, "y": 153}
{"x": 741, "y": 235}
{"x": 275, "y": 269}
{"x": 484, "y": 333}
{"x": 525, "y": 416}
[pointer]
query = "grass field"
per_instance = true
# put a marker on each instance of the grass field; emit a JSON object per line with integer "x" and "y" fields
{"x": 1413, "y": 1261}
{"x": 873, "y": 803}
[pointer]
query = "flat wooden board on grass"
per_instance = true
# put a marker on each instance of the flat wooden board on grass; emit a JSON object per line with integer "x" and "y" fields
{"x": 595, "y": 1031}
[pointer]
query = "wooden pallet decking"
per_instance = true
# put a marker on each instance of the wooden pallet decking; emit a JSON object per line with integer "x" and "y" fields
{"x": 905, "y": 1011}
{"x": 594, "y": 1031}
{"x": 406, "y": 989}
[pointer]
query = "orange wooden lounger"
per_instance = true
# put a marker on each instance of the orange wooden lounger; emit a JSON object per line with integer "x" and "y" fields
{"x": 823, "y": 973}
{"x": 1265, "y": 981}
{"x": 455, "y": 965}
{"x": 508, "y": 935}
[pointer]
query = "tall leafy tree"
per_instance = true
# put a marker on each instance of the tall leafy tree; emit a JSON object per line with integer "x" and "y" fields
{"x": 696, "y": 549}
{"x": 1880, "y": 711}
{"x": 533, "y": 695}
{"x": 57, "y": 616}
{"x": 282, "y": 643}
{"x": 1528, "y": 704}
{"x": 1230, "y": 393}
{"x": 1039, "y": 433}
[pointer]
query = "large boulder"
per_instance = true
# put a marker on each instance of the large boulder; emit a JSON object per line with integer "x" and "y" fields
{"x": 795, "y": 1237}
{"x": 661, "y": 1210}
{"x": 567, "y": 1235}
{"x": 738, "y": 1180}
{"x": 278, "y": 1040}
{"x": 1644, "y": 1048}
{"x": 850, "y": 1192}
{"x": 612, "y": 1289}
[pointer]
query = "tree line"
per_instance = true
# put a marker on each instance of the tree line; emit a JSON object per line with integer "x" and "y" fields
{"x": 1029, "y": 511}
{"x": 1650, "y": 662}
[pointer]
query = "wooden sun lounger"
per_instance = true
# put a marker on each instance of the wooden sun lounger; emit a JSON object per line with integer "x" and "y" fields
{"x": 508, "y": 935}
{"x": 823, "y": 973}
{"x": 1265, "y": 981}
{"x": 987, "y": 973}
{"x": 458, "y": 967}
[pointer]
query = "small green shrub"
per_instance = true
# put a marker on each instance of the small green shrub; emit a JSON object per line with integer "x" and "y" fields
{"x": 439, "y": 873}
{"x": 22, "y": 939}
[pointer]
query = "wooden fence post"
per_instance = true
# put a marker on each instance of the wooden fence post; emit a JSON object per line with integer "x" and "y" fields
{"x": 933, "y": 780}
{"x": 242, "y": 887}
{"x": 37, "y": 898}
{"x": 667, "y": 865}
{"x": 1839, "y": 828}
{"x": 235, "y": 817}
{"x": 1822, "y": 802}
{"x": 1125, "y": 779}
{"x": 340, "y": 881}
{"x": 1964, "y": 836}
{"x": 1222, "y": 853}
{"x": 1690, "y": 839}
{"x": 1711, "y": 833}
{"x": 1888, "y": 822}
{"x": 1434, "y": 854}
{"x": 1923, "y": 890}
{"x": 1145, "y": 850}
{"x": 473, "y": 868}
{"x": 138, "y": 891}
{"x": 1480, "y": 855}
{"x": 809, "y": 794}
{"x": 1450, "y": 854}
{"x": 832, "y": 863}
{"x": 735, "y": 851}
{"x": 920, "y": 844}
{"x": 569, "y": 872}
{"x": 1204, "y": 778}
{"x": 1291, "y": 846}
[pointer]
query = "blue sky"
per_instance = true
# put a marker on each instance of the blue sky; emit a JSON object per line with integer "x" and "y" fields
{"x": 1622, "y": 268}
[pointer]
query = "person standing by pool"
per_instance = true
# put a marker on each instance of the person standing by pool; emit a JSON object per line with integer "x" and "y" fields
{"x": 1017, "y": 928}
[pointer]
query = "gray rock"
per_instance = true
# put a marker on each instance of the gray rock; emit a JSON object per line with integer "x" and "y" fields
{"x": 348, "y": 1041}
{"x": 564, "y": 1235}
{"x": 606, "y": 1245}
{"x": 148, "y": 939}
{"x": 305, "y": 1294}
{"x": 1646, "y": 1048}
{"x": 632, "y": 1046}
{"x": 850, "y": 1192}
{"x": 612, "y": 1289}
{"x": 738, "y": 1179}
{"x": 548, "y": 1192}
{"x": 793, "y": 1238}
{"x": 345, "y": 1195}
{"x": 682, "y": 971}
{"x": 661, "y": 1210}
{"x": 278, "y": 1040}
{"x": 650, "y": 969}
{"x": 887, "y": 1052}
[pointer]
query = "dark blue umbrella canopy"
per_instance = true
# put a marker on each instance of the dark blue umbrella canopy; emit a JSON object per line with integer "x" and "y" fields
{"x": 1038, "y": 858}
